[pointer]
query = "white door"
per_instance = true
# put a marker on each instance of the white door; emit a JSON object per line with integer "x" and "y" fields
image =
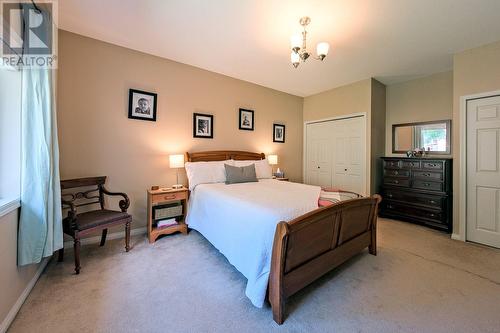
{"x": 483, "y": 171}
{"x": 349, "y": 154}
{"x": 336, "y": 154}
{"x": 319, "y": 154}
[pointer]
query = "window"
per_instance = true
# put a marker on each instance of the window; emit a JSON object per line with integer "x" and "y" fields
{"x": 10, "y": 137}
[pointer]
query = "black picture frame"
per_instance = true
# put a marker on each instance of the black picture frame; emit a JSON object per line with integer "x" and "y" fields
{"x": 279, "y": 133}
{"x": 199, "y": 119}
{"x": 134, "y": 109}
{"x": 244, "y": 113}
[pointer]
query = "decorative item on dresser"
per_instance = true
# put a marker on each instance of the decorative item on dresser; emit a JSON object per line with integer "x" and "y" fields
{"x": 167, "y": 210}
{"x": 418, "y": 190}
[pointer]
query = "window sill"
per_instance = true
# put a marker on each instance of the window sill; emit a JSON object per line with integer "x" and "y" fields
{"x": 9, "y": 205}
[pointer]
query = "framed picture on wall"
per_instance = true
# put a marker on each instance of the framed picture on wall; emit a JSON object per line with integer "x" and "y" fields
{"x": 142, "y": 105}
{"x": 278, "y": 133}
{"x": 246, "y": 120}
{"x": 203, "y": 125}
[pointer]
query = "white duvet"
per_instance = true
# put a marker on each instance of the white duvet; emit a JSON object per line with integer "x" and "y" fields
{"x": 240, "y": 221}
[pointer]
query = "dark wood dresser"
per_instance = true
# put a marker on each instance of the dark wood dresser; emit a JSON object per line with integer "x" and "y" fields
{"x": 418, "y": 190}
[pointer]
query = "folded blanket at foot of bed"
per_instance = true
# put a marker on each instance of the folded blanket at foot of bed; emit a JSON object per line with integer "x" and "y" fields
{"x": 329, "y": 196}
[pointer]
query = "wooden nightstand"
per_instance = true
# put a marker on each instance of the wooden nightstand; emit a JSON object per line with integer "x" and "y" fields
{"x": 161, "y": 197}
{"x": 282, "y": 179}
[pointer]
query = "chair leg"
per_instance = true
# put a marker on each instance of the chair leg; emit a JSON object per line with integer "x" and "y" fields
{"x": 103, "y": 237}
{"x": 76, "y": 246}
{"x": 127, "y": 236}
{"x": 61, "y": 255}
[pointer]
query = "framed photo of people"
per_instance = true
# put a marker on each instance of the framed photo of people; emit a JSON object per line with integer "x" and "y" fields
{"x": 246, "y": 120}
{"x": 203, "y": 125}
{"x": 278, "y": 133}
{"x": 142, "y": 105}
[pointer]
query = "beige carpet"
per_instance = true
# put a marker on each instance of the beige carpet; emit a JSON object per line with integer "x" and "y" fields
{"x": 421, "y": 281}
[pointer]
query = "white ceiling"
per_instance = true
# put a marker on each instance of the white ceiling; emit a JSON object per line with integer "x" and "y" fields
{"x": 391, "y": 40}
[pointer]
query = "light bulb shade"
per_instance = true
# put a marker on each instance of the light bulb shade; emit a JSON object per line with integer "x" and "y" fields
{"x": 176, "y": 161}
{"x": 322, "y": 49}
{"x": 296, "y": 41}
{"x": 272, "y": 159}
{"x": 295, "y": 58}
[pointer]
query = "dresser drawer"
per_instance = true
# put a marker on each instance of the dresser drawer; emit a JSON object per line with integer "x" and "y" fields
{"x": 433, "y": 201}
{"x": 411, "y": 164}
{"x": 415, "y": 212}
{"x": 163, "y": 197}
{"x": 432, "y": 165}
{"x": 396, "y": 173}
{"x": 428, "y": 175}
{"x": 428, "y": 185}
{"x": 397, "y": 182}
{"x": 392, "y": 164}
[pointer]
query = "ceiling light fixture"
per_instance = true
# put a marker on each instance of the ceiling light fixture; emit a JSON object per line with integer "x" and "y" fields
{"x": 299, "y": 52}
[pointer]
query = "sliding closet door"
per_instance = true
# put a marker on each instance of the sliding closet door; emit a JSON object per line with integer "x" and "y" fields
{"x": 349, "y": 155}
{"x": 319, "y": 149}
{"x": 336, "y": 154}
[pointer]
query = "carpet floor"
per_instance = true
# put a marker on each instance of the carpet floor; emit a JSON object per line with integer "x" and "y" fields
{"x": 421, "y": 281}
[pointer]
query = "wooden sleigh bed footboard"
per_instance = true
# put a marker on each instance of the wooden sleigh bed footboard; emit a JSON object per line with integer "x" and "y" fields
{"x": 313, "y": 244}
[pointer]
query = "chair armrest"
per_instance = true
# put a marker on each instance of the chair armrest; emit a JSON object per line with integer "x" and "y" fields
{"x": 71, "y": 206}
{"x": 124, "y": 204}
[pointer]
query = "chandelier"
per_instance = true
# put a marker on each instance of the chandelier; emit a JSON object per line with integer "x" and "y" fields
{"x": 299, "y": 50}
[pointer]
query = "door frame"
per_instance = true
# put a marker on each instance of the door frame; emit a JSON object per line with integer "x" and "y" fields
{"x": 461, "y": 233}
{"x": 347, "y": 116}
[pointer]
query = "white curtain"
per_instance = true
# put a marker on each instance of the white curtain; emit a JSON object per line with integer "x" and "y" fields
{"x": 40, "y": 228}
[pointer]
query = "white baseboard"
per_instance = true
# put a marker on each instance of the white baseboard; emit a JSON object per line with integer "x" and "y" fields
{"x": 114, "y": 235}
{"x": 17, "y": 306}
{"x": 456, "y": 237}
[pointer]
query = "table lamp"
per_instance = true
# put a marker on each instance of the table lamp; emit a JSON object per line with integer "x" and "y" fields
{"x": 273, "y": 160}
{"x": 176, "y": 162}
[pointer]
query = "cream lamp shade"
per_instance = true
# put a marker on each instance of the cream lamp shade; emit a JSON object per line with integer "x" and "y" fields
{"x": 176, "y": 161}
{"x": 272, "y": 159}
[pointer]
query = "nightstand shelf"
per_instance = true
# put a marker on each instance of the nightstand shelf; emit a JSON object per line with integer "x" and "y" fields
{"x": 162, "y": 197}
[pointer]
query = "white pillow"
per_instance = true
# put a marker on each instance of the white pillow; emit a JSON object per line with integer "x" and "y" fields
{"x": 206, "y": 172}
{"x": 262, "y": 167}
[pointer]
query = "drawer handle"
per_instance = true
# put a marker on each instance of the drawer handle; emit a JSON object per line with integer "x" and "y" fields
{"x": 427, "y": 184}
{"x": 389, "y": 195}
{"x": 396, "y": 173}
{"x": 427, "y": 174}
{"x": 432, "y": 215}
{"x": 390, "y": 206}
{"x": 432, "y": 201}
{"x": 169, "y": 197}
{"x": 396, "y": 182}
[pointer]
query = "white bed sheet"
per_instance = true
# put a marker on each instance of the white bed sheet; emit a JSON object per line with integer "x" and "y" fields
{"x": 240, "y": 221}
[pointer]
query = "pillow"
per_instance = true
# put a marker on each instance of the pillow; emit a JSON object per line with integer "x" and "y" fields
{"x": 244, "y": 174}
{"x": 262, "y": 167}
{"x": 205, "y": 172}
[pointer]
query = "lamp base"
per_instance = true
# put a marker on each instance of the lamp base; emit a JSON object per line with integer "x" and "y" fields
{"x": 177, "y": 186}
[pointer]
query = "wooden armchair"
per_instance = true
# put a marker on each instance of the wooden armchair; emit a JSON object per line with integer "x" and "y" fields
{"x": 78, "y": 225}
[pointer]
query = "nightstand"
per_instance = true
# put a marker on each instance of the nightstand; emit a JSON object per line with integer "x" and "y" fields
{"x": 282, "y": 179}
{"x": 161, "y": 197}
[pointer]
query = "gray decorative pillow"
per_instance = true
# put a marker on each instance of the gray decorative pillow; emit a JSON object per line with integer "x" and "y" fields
{"x": 244, "y": 174}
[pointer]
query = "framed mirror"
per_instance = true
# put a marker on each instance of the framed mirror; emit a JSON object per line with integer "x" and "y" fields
{"x": 433, "y": 136}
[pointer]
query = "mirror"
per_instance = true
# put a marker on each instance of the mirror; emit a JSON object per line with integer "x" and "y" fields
{"x": 431, "y": 136}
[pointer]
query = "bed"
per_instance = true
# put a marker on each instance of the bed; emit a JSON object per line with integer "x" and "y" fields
{"x": 274, "y": 233}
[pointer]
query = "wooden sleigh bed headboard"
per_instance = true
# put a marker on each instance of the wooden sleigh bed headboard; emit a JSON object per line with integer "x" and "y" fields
{"x": 312, "y": 244}
{"x": 222, "y": 155}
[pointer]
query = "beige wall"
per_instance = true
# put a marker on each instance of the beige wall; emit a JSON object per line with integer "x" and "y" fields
{"x": 475, "y": 71}
{"x": 425, "y": 99}
{"x": 13, "y": 279}
{"x": 345, "y": 100}
{"x": 97, "y": 138}
{"x": 366, "y": 96}
{"x": 378, "y": 128}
